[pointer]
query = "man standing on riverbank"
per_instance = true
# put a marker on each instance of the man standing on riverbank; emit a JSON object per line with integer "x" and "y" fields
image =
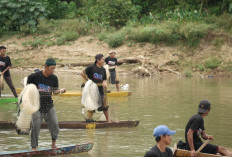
{"x": 47, "y": 84}
{"x": 112, "y": 62}
{"x": 97, "y": 73}
{"x": 195, "y": 127}
{"x": 163, "y": 137}
{"x": 5, "y": 65}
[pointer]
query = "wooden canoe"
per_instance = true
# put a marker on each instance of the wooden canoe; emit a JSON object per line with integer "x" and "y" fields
{"x": 68, "y": 149}
{"x": 186, "y": 153}
{"x": 80, "y": 124}
{"x": 78, "y": 93}
{"x": 8, "y": 100}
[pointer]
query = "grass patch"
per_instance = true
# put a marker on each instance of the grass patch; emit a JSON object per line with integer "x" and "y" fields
{"x": 67, "y": 36}
{"x": 192, "y": 33}
{"x": 102, "y": 36}
{"x": 188, "y": 73}
{"x": 115, "y": 39}
{"x": 223, "y": 21}
{"x": 218, "y": 42}
{"x": 35, "y": 43}
{"x": 200, "y": 67}
{"x": 228, "y": 66}
{"x": 212, "y": 63}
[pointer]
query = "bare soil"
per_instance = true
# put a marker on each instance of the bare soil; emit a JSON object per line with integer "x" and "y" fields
{"x": 158, "y": 59}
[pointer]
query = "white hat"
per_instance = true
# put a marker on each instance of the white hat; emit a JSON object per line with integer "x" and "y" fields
{"x": 112, "y": 51}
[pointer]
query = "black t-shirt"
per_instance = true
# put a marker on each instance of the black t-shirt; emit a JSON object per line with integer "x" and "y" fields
{"x": 112, "y": 62}
{"x": 97, "y": 75}
{"x": 196, "y": 123}
{"x": 155, "y": 152}
{"x": 4, "y": 63}
{"x": 46, "y": 86}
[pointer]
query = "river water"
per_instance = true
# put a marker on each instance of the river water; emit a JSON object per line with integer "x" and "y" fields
{"x": 154, "y": 101}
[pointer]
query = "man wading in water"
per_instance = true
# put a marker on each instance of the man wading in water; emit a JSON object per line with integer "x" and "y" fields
{"x": 97, "y": 73}
{"x": 5, "y": 65}
{"x": 47, "y": 83}
{"x": 195, "y": 127}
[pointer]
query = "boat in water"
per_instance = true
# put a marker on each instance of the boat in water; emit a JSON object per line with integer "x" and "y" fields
{"x": 61, "y": 150}
{"x": 80, "y": 124}
{"x": 78, "y": 93}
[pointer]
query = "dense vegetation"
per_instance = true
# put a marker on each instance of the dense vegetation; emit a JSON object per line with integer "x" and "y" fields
{"x": 117, "y": 22}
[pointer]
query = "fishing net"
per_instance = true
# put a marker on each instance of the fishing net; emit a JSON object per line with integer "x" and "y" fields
{"x": 24, "y": 81}
{"x": 91, "y": 101}
{"x": 1, "y": 83}
{"x": 90, "y": 96}
{"x": 29, "y": 103}
{"x": 107, "y": 72}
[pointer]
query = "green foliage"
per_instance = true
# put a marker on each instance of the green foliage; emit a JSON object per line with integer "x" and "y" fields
{"x": 212, "y": 63}
{"x": 200, "y": 67}
{"x": 102, "y": 36}
{"x": 193, "y": 32}
{"x": 115, "y": 39}
{"x": 164, "y": 32}
{"x": 72, "y": 10}
{"x": 228, "y": 66}
{"x": 163, "y": 6}
{"x": 14, "y": 14}
{"x": 35, "y": 43}
{"x": 112, "y": 13}
{"x": 223, "y": 21}
{"x": 56, "y": 8}
{"x": 218, "y": 41}
{"x": 67, "y": 36}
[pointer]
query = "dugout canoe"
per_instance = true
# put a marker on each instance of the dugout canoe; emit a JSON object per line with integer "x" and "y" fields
{"x": 186, "y": 153}
{"x": 78, "y": 93}
{"x": 81, "y": 124}
{"x": 62, "y": 150}
{"x": 8, "y": 100}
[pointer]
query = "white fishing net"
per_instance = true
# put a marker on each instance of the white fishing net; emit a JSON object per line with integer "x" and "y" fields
{"x": 106, "y": 66}
{"x": 90, "y": 96}
{"x": 29, "y": 99}
{"x": 24, "y": 81}
{"x": 1, "y": 82}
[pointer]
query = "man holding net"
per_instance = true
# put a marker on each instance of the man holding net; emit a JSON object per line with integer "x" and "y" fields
{"x": 47, "y": 84}
{"x": 97, "y": 74}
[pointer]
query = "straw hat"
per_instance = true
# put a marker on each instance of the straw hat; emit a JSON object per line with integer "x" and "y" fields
{"x": 112, "y": 51}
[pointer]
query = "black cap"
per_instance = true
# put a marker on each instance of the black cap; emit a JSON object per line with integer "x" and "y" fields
{"x": 50, "y": 61}
{"x": 204, "y": 106}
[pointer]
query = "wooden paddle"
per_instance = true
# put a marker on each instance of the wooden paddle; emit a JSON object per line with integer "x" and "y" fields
{"x": 203, "y": 145}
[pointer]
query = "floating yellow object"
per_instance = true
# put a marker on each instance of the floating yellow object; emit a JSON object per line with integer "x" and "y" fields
{"x": 91, "y": 126}
{"x": 78, "y": 93}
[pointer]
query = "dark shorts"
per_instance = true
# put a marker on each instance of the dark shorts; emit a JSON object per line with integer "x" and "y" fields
{"x": 209, "y": 148}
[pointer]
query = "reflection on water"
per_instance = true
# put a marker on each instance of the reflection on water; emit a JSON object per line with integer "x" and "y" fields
{"x": 169, "y": 101}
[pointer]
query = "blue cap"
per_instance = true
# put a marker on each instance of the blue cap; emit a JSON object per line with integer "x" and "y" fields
{"x": 162, "y": 130}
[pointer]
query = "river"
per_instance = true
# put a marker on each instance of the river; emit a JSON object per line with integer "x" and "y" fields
{"x": 154, "y": 101}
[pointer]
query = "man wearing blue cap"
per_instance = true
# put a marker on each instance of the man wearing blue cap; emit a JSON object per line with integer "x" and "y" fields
{"x": 163, "y": 137}
{"x": 195, "y": 127}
